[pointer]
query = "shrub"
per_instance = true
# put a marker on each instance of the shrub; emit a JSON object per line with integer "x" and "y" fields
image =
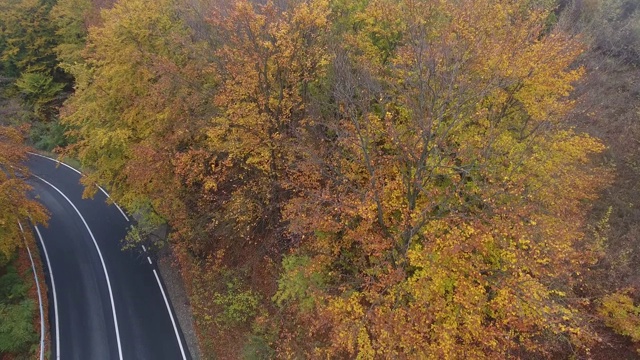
{"x": 16, "y": 311}
{"x": 620, "y": 314}
{"x": 297, "y": 282}
{"x": 257, "y": 348}
{"x": 16, "y": 328}
{"x": 12, "y": 288}
{"x": 48, "y": 135}
{"x": 238, "y": 305}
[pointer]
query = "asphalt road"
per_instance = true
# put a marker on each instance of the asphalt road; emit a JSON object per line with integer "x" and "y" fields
{"x": 104, "y": 303}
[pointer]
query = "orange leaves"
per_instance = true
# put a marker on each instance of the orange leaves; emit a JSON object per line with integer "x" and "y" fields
{"x": 16, "y": 206}
{"x": 270, "y": 57}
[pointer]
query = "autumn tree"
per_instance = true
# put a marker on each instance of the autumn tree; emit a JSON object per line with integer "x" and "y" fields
{"x": 19, "y": 210}
{"x": 70, "y": 18}
{"x": 442, "y": 200}
{"x": 269, "y": 63}
{"x": 139, "y": 104}
{"x": 27, "y": 41}
{"x": 408, "y": 159}
{"x": 17, "y": 206}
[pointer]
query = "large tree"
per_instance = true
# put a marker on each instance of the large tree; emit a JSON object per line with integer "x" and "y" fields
{"x": 443, "y": 204}
{"x": 27, "y": 57}
{"x": 271, "y": 58}
{"x": 139, "y": 105}
{"x": 27, "y": 38}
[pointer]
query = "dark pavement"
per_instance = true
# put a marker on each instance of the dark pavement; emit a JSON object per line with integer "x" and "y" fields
{"x": 85, "y": 313}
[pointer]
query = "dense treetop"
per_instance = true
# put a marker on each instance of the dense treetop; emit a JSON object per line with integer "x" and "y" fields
{"x": 341, "y": 178}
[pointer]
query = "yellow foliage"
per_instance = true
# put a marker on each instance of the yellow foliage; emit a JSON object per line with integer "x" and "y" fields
{"x": 456, "y": 193}
{"x": 412, "y": 152}
{"x": 620, "y": 313}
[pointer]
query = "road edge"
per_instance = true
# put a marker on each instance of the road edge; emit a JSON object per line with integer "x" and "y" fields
{"x": 37, "y": 267}
{"x": 169, "y": 275}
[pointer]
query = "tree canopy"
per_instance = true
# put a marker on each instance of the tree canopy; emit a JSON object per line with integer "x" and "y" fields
{"x": 402, "y": 171}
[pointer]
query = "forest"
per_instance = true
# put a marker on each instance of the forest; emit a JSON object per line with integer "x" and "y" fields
{"x": 358, "y": 179}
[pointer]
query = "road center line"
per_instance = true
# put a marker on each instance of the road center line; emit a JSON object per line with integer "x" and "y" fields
{"x": 35, "y": 276}
{"x": 55, "y": 297}
{"x": 148, "y": 258}
{"x": 104, "y": 267}
{"x": 173, "y": 321}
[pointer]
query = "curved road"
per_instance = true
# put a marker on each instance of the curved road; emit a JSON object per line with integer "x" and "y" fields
{"x": 104, "y": 303}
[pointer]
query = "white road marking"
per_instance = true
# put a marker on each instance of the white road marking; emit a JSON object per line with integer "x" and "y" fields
{"x": 81, "y": 174}
{"x": 175, "y": 328}
{"x": 35, "y": 276}
{"x": 55, "y": 297}
{"x": 55, "y": 160}
{"x": 103, "y": 191}
{"x": 148, "y": 258}
{"x": 144, "y": 248}
{"x": 121, "y": 212}
{"x": 104, "y": 267}
{"x": 114, "y": 203}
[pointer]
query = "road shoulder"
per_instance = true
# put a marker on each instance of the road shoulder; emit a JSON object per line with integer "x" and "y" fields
{"x": 178, "y": 296}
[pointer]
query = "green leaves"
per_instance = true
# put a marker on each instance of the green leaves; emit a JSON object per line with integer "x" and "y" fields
{"x": 38, "y": 90}
{"x": 27, "y": 38}
{"x": 16, "y": 329}
{"x": 299, "y": 283}
{"x": 71, "y": 18}
{"x": 619, "y": 313}
{"x": 17, "y": 332}
{"x": 238, "y": 306}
